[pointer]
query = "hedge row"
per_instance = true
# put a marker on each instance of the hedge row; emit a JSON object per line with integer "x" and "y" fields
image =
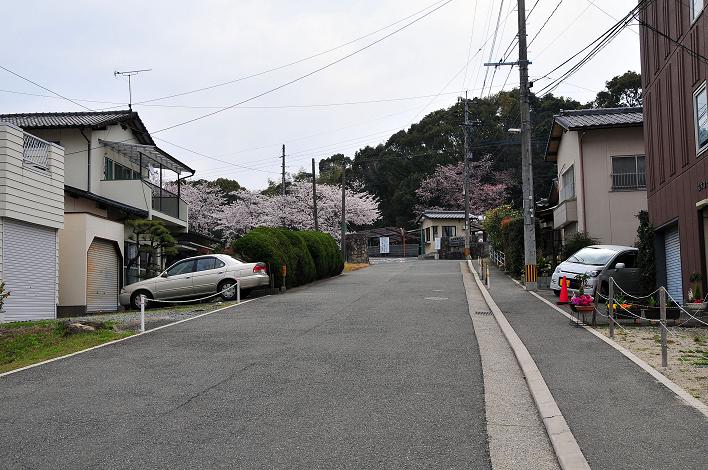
{"x": 307, "y": 255}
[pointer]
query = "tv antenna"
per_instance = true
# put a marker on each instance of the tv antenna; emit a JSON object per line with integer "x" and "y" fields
{"x": 130, "y": 73}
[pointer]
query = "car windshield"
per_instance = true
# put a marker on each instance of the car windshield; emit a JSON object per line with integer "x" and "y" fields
{"x": 592, "y": 256}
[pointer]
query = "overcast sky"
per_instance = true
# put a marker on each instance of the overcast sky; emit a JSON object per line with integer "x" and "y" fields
{"x": 73, "y": 48}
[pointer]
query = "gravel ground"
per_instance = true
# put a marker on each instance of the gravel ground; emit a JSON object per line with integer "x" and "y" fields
{"x": 130, "y": 319}
{"x": 687, "y": 359}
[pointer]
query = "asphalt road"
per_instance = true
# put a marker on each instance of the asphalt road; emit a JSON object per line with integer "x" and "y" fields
{"x": 378, "y": 368}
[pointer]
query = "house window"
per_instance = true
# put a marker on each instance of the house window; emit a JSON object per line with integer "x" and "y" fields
{"x": 628, "y": 173}
{"x": 427, "y": 234}
{"x": 696, "y": 7}
{"x": 449, "y": 231}
{"x": 700, "y": 100}
{"x": 568, "y": 184}
{"x": 107, "y": 168}
{"x": 435, "y": 232}
{"x": 115, "y": 171}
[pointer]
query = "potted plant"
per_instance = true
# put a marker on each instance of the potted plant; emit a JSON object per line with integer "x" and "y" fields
{"x": 582, "y": 302}
{"x": 545, "y": 271}
{"x": 4, "y": 294}
{"x": 695, "y": 302}
{"x": 621, "y": 307}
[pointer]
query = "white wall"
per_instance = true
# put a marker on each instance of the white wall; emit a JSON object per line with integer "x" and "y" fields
{"x": 29, "y": 194}
{"x": 74, "y": 241}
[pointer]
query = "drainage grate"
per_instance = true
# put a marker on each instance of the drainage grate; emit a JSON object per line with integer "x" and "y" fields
{"x": 482, "y": 313}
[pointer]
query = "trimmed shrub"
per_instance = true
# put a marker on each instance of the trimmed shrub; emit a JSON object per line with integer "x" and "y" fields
{"x": 512, "y": 240}
{"x": 325, "y": 253}
{"x": 303, "y": 270}
{"x": 307, "y": 255}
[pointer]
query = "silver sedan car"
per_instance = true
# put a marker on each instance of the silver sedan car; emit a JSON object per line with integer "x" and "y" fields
{"x": 196, "y": 277}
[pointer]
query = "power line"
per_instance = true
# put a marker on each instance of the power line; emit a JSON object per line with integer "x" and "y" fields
{"x": 298, "y": 61}
{"x": 302, "y": 77}
{"x": 595, "y": 46}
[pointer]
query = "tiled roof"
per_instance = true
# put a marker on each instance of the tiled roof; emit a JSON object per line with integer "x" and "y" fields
{"x": 600, "y": 118}
{"x": 444, "y": 214}
{"x": 439, "y": 214}
{"x": 54, "y": 120}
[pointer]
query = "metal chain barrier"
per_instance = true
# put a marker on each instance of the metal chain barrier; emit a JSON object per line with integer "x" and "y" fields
{"x": 144, "y": 300}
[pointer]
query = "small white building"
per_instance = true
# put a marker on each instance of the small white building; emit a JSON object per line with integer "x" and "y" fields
{"x": 31, "y": 213}
{"x": 444, "y": 224}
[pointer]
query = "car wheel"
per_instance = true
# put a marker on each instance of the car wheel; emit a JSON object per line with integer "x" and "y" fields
{"x": 557, "y": 292}
{"x": 227, "y": 289}
{"x": 135, "y": 299}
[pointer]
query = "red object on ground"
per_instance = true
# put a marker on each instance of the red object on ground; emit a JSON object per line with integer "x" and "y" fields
{"x": 564, "y": 292}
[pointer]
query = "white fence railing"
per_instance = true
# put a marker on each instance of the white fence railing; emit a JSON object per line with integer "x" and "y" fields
{"x": 497, "y": 257}
{"x": 35, "y": 152}
{"x": 629, "y": 181}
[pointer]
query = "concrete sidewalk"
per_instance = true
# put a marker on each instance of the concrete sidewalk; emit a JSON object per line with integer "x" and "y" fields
{"x": 621, "y": 417}
{"x": 516, "y": 433}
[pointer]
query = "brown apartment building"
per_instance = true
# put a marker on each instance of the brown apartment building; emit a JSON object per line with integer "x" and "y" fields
{"x": 674, "y": 44}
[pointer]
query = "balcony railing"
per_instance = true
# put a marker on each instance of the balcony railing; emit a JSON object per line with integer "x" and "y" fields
{"x": 165, "y": 201}
{"x": 626, "y": 181}
{"x": 35, "y": 152}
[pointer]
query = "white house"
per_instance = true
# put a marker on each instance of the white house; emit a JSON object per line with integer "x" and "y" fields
{"x": 31, "y": 213}
{"x": 110, "y": 160}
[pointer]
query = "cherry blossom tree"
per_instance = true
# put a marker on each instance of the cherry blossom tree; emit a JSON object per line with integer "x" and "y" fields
{"x": 443, "y": 189}
{"x": 294, "y": 210}
{"x": 204, "y": 201}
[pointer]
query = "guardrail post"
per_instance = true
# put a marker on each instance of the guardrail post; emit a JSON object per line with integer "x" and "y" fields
{"x": 142, "y": 313}
{"x": 612, "y": 307}
{"x": 489, "y": 282}
{"x": 238, "y": 290}
{"x": 662, "y": 322}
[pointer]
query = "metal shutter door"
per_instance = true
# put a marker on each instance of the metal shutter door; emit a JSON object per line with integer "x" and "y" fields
{"x": 30, "y": 270}
{"x": 672, "y": 249}
{"x": 101, "y": 277}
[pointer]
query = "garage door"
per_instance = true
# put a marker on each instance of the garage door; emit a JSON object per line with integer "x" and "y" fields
{"x": 30, "y": 269}
{"x": 672, "y": 249}
{"x": 102, "y": 277}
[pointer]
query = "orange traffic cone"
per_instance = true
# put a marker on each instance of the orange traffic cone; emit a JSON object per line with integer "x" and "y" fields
{"x": 564, "y": 292}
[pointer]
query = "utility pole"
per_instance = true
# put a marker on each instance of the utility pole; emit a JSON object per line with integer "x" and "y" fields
{"x": 283, "y": 183}
{"x": 314, "y": 196}
{"x": 465, "y": 183}
{"x": 526, "y": 158}
{"x": 530, "y": 268}
{"x": 344, "y": 212}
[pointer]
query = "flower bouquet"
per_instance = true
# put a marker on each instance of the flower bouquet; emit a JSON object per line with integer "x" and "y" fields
{"x": 582, "y": 303}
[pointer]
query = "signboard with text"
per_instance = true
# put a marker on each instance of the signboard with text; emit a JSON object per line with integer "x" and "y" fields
{"x": 383, "y": 245}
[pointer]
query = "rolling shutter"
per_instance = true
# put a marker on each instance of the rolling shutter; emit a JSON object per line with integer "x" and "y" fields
{"x": 30, "y": 270}
{"x": 672, "y": 250}
{"x": 102, "y": 277}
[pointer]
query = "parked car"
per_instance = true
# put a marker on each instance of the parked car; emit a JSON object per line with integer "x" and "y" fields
{"x": 600, "y": 262}
{"x": 198, "y": 276}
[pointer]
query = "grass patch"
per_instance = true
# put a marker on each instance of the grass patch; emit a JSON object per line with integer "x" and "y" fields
{"x": 26, "y": 343}
{"x": 348, "y": 267}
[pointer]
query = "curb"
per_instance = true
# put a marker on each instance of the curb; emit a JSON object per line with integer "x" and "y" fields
{"x": 567, "y": 450}
{"x": 14, "y": 371}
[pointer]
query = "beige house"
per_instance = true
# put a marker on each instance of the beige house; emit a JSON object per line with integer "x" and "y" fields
{"x": 31, "y": 213}
{"x": 438, "y": 224}
{"x": 114, "y": 172}
{"x": 601, "y": 180}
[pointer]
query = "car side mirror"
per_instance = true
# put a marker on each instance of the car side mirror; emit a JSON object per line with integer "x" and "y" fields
{"x": 164, "y": 274}
{"x": 619, "y": 266}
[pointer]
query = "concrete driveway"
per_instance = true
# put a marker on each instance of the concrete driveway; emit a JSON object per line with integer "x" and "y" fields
{"x": 376, "y": 368}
